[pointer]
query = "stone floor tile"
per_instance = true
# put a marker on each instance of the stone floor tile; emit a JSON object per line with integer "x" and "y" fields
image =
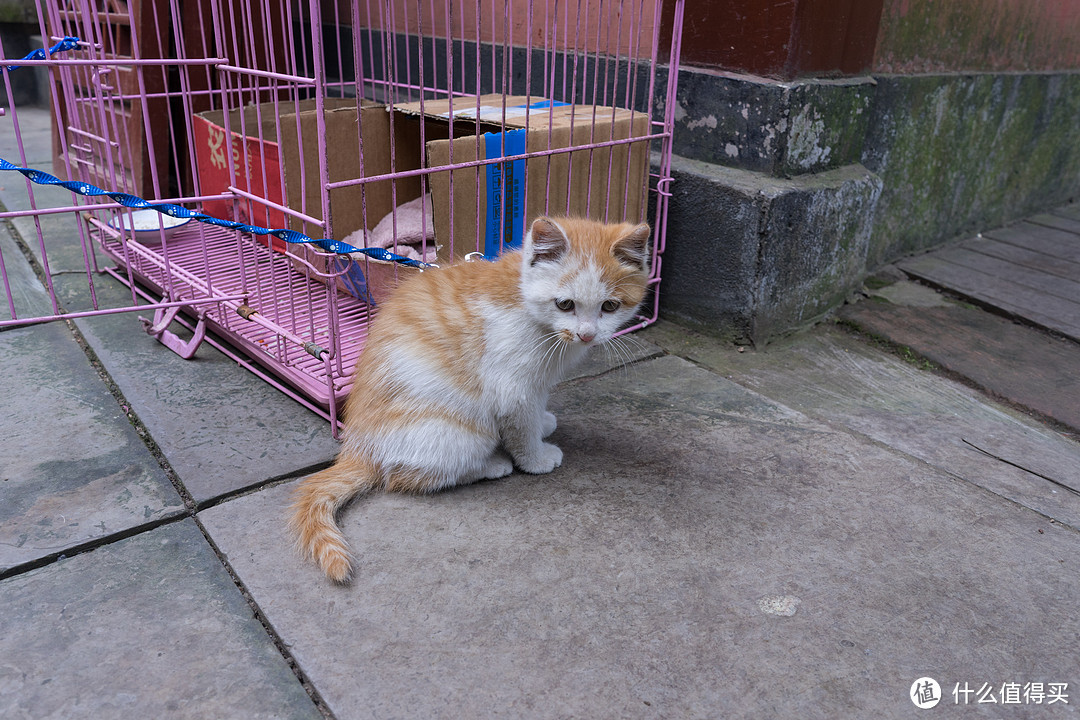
{"x": 834, "y": 376}
{"x": 220, "y": 427}
{"x": 26, "y": 291}
{"x": 72, "y": 469}
{"x": 702, "y": 552}
{"x": 148, "y": 627}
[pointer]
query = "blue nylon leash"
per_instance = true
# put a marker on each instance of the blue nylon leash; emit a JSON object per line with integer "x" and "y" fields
{"x": 177, "y": 211}
{"x": 68, "y": 43}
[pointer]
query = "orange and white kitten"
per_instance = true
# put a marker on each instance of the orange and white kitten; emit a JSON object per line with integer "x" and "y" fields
{"x": 453, "y": 383}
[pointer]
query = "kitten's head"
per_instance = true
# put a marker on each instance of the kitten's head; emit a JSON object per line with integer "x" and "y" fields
{"x": 584, "y": 279}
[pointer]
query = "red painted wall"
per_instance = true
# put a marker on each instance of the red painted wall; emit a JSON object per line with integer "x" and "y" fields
{"x": 781, "y": 38}
{"x": 784, "y": 39}
{"x": 624, "y": 27}
{"x": 930, "y": 36}
{"x": 804, "y": 38}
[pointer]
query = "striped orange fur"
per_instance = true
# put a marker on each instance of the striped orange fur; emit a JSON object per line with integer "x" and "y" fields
{"x": 453, "y": 382}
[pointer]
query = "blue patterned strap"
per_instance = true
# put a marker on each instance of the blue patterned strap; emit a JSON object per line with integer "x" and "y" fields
{"x": 177, "y": 211}
{"x": 68, "y": 43}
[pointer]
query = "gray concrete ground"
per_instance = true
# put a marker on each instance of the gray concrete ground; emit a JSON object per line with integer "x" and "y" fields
{"x": 801, "y": 532}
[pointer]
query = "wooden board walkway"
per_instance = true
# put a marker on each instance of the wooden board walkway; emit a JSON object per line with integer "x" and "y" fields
{"x": 1019, "y": 364}
{"x": 1029, "y": 270}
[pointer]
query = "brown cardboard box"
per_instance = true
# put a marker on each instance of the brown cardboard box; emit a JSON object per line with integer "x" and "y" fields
{"x": 485, "y": 199}
{"x": 606, "y": 183}
{"x": 254, "y": 160}
{"x": 274, "y": 148}
{"x": 353, "y": 206}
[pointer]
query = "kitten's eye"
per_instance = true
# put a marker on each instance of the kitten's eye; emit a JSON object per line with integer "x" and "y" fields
{"x": 565, "y": 305}
{"x": 610, "y": 306}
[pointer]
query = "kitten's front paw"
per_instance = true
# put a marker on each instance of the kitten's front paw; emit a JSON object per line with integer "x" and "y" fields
{"x": 548, "y": 423}
{"x": 547, "y": 459}
{"x": 498, "y": 466}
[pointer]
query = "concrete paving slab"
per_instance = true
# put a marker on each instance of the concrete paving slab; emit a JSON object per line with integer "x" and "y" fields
{"x": 1071, "y": 210}
{"x": 910, "y": 294}
{"x": 620, "y": 354}
{"x": 837, "y": 378}
{"x": 35, "y": 129}
{"x": 63, "y": 240}
{"x": 220, "y": 427}
{"x": 58, "y": 241}
{"x": 702, "y": 552}
{"x": 36, "y": 133}
{"x": 72, "y": 469}
{"x": 26, "y": 291}
{"x": 148, "y": 627}
{"x": 31, "y": 298}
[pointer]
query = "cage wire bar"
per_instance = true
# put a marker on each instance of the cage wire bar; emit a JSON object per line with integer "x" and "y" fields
{"x": 433, "y": 128}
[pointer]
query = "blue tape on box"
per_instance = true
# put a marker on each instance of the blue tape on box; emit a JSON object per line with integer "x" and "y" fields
{"x": 544, "y": 105}
{"x": 505, "y": 192}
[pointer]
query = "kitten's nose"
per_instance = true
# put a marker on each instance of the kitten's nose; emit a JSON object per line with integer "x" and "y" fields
{"x": 586, "y": 336}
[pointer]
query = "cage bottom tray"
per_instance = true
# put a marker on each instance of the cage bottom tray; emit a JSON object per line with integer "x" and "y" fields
{"x": 206, "y": 262}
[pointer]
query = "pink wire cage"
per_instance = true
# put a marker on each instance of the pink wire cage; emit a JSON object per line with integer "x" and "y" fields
{"x": 326, "y": 119}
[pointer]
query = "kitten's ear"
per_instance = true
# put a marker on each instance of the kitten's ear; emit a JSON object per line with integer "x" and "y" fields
{"x": 633, "y": 247}
{"x": 546, "y": 242}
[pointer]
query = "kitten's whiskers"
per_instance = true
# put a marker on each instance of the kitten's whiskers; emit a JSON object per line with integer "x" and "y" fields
{"x": 549, "y": 352}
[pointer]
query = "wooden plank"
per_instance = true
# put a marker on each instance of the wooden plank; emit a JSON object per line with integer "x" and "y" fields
{"x": 1030, "y": 269}
{"x": 1053, "y": 285}
{"x": 1020, "y": 364}
{"x": 1057, "y": 221}
{"x": 1032, "y": 305}
{"x": 1024, "y": 257}
{"x": 1046, "y": 312}
{"x": 938, "y": 268}
{"x": 1049, "y": 241}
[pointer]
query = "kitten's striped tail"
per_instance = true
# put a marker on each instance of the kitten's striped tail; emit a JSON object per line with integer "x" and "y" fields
{"x": 316, "y": 503}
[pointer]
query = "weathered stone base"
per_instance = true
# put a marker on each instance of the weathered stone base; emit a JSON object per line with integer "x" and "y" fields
{"x": 752, "y": 256}
{"x": 787, "y": 194}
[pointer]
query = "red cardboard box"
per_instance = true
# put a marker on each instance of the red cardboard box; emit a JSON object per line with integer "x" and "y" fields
{"x": 250, "y": 153}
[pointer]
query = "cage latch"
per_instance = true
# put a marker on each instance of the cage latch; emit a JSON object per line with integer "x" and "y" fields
{"x": 158, "y": 328}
